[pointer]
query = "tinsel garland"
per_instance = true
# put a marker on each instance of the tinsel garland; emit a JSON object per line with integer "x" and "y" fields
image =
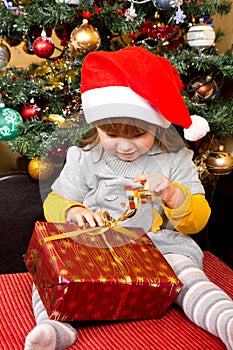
{"x": 50, "y": 82}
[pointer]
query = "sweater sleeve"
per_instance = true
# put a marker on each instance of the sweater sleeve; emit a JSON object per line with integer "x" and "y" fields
{"x": 71, "y": 183}
{"x": 192, "y": 216}
{"x": 55, "y": 207}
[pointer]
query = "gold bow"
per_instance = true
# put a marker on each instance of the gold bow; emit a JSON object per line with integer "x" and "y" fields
{"x": 109, "y": 223}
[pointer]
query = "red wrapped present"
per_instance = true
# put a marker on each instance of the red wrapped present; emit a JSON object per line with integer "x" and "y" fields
{"x": 106, "y": 273}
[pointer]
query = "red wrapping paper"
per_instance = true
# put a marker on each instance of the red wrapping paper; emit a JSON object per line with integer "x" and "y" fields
{"x": 99, "y": 276}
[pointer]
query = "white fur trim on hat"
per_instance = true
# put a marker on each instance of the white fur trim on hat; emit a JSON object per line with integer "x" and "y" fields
{"x": 198, "y": 128}
{"x": 119, "y": 101}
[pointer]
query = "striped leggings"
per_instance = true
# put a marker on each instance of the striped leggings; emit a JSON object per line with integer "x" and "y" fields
{"x": 204, "y": 303}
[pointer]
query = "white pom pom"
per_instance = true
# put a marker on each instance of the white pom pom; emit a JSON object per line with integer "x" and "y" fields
{"x": 198, "y": 128}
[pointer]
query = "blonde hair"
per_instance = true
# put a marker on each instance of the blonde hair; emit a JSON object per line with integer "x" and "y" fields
{"x": 115, "y": 129}
{"x": 167, "y": 139}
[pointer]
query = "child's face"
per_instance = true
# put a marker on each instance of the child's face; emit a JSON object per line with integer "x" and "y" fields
{"x": 126, "y": 148}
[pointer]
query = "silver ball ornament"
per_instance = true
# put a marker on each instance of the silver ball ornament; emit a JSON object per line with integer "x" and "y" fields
{"x": 164, "y": 4}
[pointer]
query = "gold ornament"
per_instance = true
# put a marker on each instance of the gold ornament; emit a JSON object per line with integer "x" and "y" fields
{"x": 40, "y": 169}
{"x": 55, "y": 118}
{"x": 85, "y": 38}
{"x": 219, "y": 163}
{"x": 59, "y": 120}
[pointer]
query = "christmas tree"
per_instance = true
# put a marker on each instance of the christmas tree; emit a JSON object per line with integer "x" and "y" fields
{"x": 40, "y": 110}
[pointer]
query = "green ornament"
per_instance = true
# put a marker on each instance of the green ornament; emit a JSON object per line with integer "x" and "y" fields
{"x": 9, "y": 122}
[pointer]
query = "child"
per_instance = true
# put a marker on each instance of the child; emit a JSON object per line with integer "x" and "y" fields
{"x": 130, "y": 98}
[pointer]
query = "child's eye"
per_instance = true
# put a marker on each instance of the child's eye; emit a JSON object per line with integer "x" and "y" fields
{"x": 141, "y": 134}
{"x": 111, "y": 135}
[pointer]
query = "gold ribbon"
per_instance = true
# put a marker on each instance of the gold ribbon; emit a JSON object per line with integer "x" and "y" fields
{"x": 109, "y": 223}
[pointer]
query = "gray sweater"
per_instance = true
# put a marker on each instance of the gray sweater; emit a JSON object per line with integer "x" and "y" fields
{"x": 97, "y": 179}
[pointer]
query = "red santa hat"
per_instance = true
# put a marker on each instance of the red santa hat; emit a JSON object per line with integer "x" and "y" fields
{"x": 135, "y": 83}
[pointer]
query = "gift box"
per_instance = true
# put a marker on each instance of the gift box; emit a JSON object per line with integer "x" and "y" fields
{"x": 110, "y": 273}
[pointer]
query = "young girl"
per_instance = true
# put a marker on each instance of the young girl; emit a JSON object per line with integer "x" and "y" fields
{"x": 132, "y": 143}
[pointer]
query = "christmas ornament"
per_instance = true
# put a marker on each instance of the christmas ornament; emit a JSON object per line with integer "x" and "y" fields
{"x": 130, "y": 13}
{"x": 5, "y": 55}
{"x": 85, "y": 38}
{"x": 56, "y": 119}
{"x": 10, "y": 120}
{"x": 179, "y": 16}
{"x": 201, "y": 36}
{"x": 40, "y": 169}
{"x": 57, "y": 156}
{"x": 33, "y": 33}
{"x": 164, "y": 4}
{"x": 202, "y": 89}
{"x": 219, "y": 163}
{"x": 30, "y": 110}
{"x": 43, "y": 46}
{"x": 210, "y": 143}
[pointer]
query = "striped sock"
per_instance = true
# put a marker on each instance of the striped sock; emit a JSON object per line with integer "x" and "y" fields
{"x": 204, "y": 303}
{"x": 48, "y": 334}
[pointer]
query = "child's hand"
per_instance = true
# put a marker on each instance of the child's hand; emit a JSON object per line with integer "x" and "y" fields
{"x": 83, "y": 216}
{"x": 162, "y": 187}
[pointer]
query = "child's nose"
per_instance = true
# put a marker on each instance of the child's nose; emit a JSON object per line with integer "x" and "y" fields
{"x": 126, "y": 144}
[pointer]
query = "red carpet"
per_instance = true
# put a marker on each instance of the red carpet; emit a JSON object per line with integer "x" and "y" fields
{"x": 172, "y": 332}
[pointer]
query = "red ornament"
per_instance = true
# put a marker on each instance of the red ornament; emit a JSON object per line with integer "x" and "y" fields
{"x": 29, "y": 111}
{"x": 43, "y": 46}
{"x": 58, "y": 155}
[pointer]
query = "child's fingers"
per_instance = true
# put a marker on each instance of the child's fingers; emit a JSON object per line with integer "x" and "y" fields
{"x": 83, "y": 217}
{"x": 140, "y": 178}
{"x": 98, "y": 220}
{"x": 76, "y": 219}
{"x": 92, "y": 219}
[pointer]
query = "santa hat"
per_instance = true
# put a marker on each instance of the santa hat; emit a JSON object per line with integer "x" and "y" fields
{"x": 135, "y": 83}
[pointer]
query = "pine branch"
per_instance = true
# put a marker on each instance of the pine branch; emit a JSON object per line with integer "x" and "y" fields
{"x": 197, "y": 63}
{"x": 55, "y": 83}
{"x": 207, "y": 7}
{"x": 40, "y": 138}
